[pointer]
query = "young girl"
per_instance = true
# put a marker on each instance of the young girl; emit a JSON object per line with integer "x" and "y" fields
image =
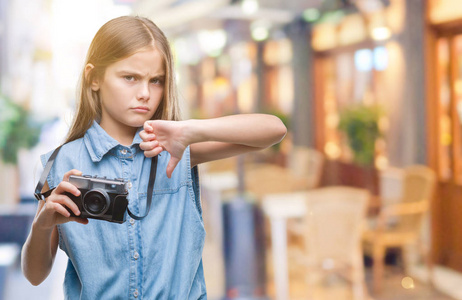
{"x": 128, "y": 113}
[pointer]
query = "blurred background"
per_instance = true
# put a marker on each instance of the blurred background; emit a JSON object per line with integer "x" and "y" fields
{"x": 361, "y": 200}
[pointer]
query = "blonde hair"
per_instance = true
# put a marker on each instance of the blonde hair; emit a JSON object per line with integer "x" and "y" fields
{"x": 117, "y": 39}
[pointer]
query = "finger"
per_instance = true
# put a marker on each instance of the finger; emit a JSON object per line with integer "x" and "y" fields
{"x": 71, "y": 172}
{"x": 59, "y": 209}
{"x": 171, "y": 166}
{"x": 66, "y": 201}
{"x": 146, "y": 136}
{"x": 148, "y": 127}
{"x": 79, "y": 220}
{"x": 65, "y": 186}
{"x": 147, "y": 146}
{"x": 154, "y": 152}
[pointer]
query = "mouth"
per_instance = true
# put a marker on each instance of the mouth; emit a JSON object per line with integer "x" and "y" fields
{"x": 141, "y": 109}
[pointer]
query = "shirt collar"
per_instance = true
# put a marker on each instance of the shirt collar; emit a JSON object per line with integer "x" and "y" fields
{"x": 98, "y": 142}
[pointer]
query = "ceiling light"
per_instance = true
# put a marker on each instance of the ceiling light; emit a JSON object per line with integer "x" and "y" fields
{"x": 249, "y": 7}
{"x": 381, "y": 33}
{"x": 260, "y": 30}
{"x": 212, "y": 42}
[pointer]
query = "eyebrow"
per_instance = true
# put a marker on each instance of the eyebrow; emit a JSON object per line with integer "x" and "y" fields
{"x": 139, "y": 74}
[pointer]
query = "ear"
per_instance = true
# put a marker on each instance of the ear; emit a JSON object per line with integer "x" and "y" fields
{"x": 95, "y": 82}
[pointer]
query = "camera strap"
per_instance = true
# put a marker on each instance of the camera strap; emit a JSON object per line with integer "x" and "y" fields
{"x": 38, "y": 189}
{"x": 152, "y": 179}
{"x": 42, "y": 196}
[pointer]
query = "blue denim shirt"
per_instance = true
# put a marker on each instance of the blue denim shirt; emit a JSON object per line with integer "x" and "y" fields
{"x": 158, "y": 257}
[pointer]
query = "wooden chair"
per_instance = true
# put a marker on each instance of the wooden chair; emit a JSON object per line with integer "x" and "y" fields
{"x": 307, "y": 163}
{"x": 334, "y": 224}
{"x": 399, "y": 224}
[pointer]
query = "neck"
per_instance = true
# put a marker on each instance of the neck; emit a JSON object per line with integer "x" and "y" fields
{"x": 123, "y": 134}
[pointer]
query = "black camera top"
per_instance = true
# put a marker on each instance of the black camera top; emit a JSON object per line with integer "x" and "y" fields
{"x": 88, "y": 182}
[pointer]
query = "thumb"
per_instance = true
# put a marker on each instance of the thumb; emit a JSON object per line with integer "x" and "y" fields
{"x": 173, "y": 162}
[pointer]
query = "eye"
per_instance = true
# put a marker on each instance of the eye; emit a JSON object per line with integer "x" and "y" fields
{"x": 129, "y": 78}
{"x": 157, "y": 81}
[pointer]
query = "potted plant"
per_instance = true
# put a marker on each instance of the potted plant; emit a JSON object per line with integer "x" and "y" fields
{"x": 17, "y": 130}
{"x": 360, "y": 124}
{"x": 277, "y": 153}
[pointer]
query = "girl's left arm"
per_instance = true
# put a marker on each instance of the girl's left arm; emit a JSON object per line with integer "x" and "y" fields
{"x": 224, "y": 137}
{"x": 211, "y": 139}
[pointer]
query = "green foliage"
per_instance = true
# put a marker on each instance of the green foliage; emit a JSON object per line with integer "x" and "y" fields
{"x": 285, "y": 119}
{"x": 360, "y": 125}
{"x": 17, "y": 130}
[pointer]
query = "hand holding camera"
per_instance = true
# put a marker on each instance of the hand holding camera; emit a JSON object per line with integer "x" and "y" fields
{"x": 55, "y": 210}
{"x": 79, "y": 197}
{"x": 100, "y": 198}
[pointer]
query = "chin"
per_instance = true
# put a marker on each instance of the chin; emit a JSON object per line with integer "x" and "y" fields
{"x": 138, "y": 123}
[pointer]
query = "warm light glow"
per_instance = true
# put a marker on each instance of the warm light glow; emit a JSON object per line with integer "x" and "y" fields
{"x": 332, "y": 150}
{"x": 332, "y": 120}
{"x": 407, "y": 283}
{"x": 458, "y": 86}
{"x": 324, "y": 36}
{"x": 249, "y": 7}
{"x": 277, "y": 52}
{"x": 352, "y": 29}
{"x": 384, "y": 124}
{"x": 381, "y": 33}
{"x": 245, "y": 95}
{"x": 381, "y": 162}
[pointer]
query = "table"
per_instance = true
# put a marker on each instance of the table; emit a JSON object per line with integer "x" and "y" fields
{"x": 278, "y": 208}
{"x": 264, "y": 179}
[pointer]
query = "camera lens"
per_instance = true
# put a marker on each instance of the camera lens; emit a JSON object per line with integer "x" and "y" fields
{"x": 96, "y": 202}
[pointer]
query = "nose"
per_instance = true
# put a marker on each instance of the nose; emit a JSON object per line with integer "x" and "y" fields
{"x": 143, "y": 92}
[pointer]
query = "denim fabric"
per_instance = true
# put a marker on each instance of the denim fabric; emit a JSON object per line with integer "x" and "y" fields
{"x": 158, "y": 257}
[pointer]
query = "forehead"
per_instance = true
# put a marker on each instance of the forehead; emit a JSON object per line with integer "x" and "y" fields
{"x": 148, "y": 61}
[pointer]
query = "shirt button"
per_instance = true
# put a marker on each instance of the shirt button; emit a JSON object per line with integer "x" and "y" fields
{"x": 132, "y": 221}
{"x": 123, "y": 151}
{"x": 136, "y": 255}
{"x": 135, "y": 293}
{"x": 129, "y": 184}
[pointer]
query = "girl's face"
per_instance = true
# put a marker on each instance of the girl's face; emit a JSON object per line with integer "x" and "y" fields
{"x": 131, "y": 91}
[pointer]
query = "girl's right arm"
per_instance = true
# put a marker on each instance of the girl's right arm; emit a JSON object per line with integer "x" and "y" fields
{"x": 40, "y": 248}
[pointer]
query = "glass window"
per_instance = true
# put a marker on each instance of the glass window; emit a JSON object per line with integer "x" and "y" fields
{"x": 347, "y": 78}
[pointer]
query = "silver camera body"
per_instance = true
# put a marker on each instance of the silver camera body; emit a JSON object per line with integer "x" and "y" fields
{"x": 100, "y": 198}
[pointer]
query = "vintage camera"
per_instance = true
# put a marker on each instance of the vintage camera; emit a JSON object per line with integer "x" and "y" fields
{"x": 100, "y": 198}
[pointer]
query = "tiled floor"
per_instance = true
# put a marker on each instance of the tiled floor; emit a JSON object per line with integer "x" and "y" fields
{"x": 333, "y": 287}
{"x": 336, "y": 288}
